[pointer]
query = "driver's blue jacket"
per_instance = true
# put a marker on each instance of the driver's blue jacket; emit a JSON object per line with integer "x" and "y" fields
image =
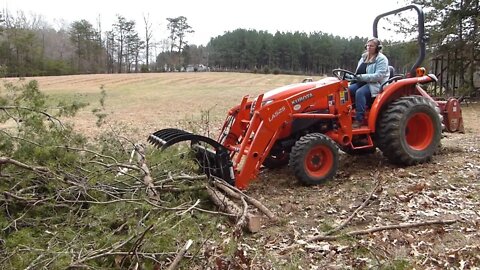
{"x": 377, "y": 72}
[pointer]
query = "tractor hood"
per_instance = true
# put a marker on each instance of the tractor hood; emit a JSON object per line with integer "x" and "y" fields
{"x": 287, "y": 91}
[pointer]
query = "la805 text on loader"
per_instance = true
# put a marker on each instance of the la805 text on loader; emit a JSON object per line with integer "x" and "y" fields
{"x": 305, "y": 124}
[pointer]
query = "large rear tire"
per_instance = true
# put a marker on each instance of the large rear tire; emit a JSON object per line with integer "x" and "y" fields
{"x": 314, "y": 159}
{"x": 409, "y": 130}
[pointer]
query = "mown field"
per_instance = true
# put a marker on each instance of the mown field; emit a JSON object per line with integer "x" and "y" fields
{"x": 448, "y": 188}
{"x": 152, "y": 101}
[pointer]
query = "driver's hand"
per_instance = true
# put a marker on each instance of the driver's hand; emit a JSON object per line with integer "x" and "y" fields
{"x": 350, "y": 77}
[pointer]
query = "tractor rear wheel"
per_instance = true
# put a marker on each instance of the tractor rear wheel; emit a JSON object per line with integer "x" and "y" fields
{"x": 409, "y": 130}
{"x": 314, "y": 159}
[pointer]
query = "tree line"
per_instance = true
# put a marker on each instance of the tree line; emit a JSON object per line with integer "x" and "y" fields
{"x": 298, "y": 52}
{"x": 30, "y": 47}
{"x": 454, "y": 39}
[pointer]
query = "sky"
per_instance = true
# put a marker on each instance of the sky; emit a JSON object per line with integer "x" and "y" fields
{"x": 212, "y": 18}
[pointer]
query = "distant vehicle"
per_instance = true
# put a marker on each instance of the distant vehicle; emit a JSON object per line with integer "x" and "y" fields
{"x": 195, "y": 68}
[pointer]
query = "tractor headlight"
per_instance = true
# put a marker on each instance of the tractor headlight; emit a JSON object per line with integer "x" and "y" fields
{"x": 266, "y": 102}
{"x": 254, "y": 103}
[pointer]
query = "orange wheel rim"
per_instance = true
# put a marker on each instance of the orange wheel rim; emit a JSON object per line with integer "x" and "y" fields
{"x": 319, "y": 161}
{"x": 419, "y": 131}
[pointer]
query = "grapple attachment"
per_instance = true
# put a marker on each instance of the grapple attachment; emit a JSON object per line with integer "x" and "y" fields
{"x": 213, "y": 158}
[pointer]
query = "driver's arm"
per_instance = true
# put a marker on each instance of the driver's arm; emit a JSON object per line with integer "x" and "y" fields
{"x": 381, "y": 71}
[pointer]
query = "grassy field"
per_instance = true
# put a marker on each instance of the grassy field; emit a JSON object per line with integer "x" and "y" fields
{"x": 446, "y": 188}
{"x": 152, "y": 101}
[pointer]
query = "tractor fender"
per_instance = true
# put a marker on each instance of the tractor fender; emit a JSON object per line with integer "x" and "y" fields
{"x": 393, "y": 91}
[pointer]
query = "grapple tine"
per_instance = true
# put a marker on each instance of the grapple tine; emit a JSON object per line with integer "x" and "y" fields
{"x": 213, "y": 162}
{"x": 155, "y": 141}
{"x": 164, "y": 136}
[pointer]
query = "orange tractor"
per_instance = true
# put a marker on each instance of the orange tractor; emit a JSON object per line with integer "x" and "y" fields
{"x": 304, "y": 125}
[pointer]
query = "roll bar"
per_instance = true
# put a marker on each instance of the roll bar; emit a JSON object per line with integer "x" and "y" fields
{"x": 422, "y": 39}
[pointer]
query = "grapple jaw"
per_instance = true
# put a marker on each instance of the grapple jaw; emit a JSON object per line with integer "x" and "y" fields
{"x": 213, "y": 158}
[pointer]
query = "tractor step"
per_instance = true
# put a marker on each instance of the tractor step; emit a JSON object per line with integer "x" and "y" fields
{"x": 363, "y": 141}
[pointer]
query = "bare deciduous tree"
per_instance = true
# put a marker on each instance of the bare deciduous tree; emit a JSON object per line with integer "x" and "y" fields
{"x": 148, "y": 37}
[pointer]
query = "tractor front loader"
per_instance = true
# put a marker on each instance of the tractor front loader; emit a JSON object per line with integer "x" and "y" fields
{"x": 305, "y": 125}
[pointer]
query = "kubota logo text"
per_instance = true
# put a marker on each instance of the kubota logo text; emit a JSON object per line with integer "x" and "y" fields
{"x": 277, "y": 113}
{"x": 302, "y": 98}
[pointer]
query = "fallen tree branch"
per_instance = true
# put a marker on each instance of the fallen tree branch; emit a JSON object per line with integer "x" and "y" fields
{"x": 37, "y": 169}
{"x": 190, "y": 208}
{"x": 33, "y": 264}
{"x": 147, "y": 177}
{"x": 107, "y": 251}
{"x": 179, "y": 190}
{"x": 89, "y": 151}
{"x": 175, "y": 178}
{"x": 180, "y": 255}
{"x": 252, "y": 223}
{"x": 138, "y": 242}
{"x": 32, "y": 201}
{"x": 341, "y": 226}
{"x": 368, "y": 231}
{"x": 100, "y": 253}
{"x": 243, "y": 217}
{"x": 383, "y": 228}
{"x": 49, "y": 116}
{"x": 236, "y": 193}
{"x": 20, "y": 138}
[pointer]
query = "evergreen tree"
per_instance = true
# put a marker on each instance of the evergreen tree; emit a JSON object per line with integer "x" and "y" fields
{"x": 453, "y": 27}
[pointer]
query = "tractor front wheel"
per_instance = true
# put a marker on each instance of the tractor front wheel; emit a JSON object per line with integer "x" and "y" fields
{"x": 314, "y": 159}
{"x": 409, "y": 130}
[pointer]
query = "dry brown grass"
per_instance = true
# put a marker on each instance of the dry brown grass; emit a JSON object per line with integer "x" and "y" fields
{"x": 157, "y": 100}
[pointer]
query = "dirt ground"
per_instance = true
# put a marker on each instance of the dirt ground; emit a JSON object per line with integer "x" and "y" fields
{"x": 448, "y": 188}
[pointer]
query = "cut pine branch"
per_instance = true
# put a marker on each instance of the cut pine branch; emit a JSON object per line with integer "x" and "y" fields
{"x": 147, "y": 177}
{"x": 237, "y": 194}
{"x": 180, "y": 255}
{"x": 252, "y": 223}
{"x": 37, "y": 169}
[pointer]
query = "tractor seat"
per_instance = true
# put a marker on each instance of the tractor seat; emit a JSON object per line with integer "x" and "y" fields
{"x": 391, "y": 78}
{"x": 391, "y": 71}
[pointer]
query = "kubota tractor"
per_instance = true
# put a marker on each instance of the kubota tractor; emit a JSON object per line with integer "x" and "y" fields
{"x": 304, "y": 125}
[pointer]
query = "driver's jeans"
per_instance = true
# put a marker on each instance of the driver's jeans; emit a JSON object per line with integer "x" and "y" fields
{"x": 361, "y": 93}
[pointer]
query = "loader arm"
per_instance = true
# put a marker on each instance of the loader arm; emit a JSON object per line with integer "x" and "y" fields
{"x": 252, "y": 145}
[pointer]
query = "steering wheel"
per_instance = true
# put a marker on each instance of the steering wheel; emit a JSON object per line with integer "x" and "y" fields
{"x": 340, "y": 73}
